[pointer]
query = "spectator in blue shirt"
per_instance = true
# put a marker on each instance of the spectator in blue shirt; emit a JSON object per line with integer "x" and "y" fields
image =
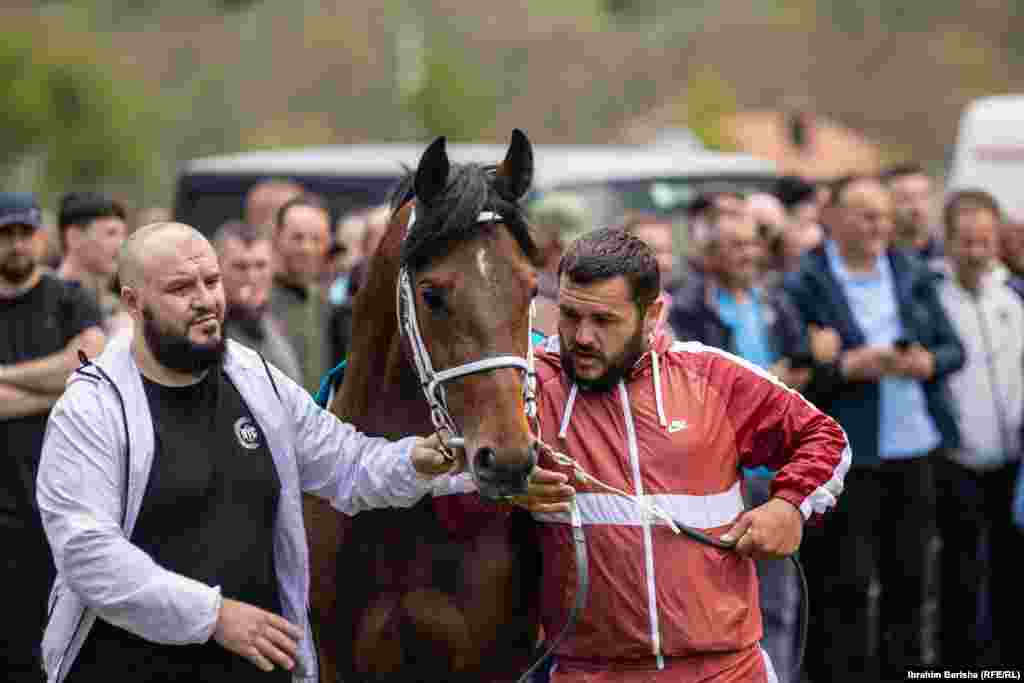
{"x": 888, "y": 391}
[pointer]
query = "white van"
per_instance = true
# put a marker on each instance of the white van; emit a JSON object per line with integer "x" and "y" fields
{"x": 989, "y": 152}
{"x": 610, "y": 178}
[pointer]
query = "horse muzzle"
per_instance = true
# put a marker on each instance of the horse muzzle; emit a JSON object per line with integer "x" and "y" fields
{"x": 503, "y": 473}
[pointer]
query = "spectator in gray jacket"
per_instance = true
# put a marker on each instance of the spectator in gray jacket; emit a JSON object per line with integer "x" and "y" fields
{"x": 976, "y": 482}
{"x": 246, "y": 263}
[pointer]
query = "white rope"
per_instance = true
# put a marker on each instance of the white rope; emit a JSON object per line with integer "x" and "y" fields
{"x": 582, "y": 475}
{"x": 568, "y": 412}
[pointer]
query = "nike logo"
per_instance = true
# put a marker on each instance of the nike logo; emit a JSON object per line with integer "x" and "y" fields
{"x": 677, "y": 426}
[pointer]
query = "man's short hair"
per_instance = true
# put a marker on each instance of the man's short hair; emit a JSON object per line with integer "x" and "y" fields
{"x": 708, "y": 199}
{"x": 81, "y": 208}
{"x": 238, "y": 230}
{"x": 633, "y": 221}
{"x": 610, "y": 252}
{"x": 259, "y": 193}
{"x": 904, "y": 170}
{"x": 310, "y": 200}
{"x": 964, "y": 201}
{"x": 839, "y": 186}
{"x": 792, "y": 190}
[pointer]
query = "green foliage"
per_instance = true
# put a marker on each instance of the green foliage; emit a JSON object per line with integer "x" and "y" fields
{"x": 65, "y": 117}
{"x": 588, "y": 12}
{"x": 709, "y": 99}
{"x": 454, "y": 97}
{"x": 880, "y": 16}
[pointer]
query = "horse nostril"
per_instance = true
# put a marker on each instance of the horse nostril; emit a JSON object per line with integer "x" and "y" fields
{"x": 485, "y": 458}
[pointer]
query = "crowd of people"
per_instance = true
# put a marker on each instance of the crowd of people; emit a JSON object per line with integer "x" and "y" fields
{"x": 895, "y": 311}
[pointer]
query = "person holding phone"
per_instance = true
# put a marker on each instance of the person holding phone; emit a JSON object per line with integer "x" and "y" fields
{"x": 887, "y": 388}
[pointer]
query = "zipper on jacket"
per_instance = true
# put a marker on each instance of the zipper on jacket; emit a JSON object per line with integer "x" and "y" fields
{"x": 634, "y": 457}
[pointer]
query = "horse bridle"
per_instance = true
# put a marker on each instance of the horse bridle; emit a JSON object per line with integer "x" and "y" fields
{"x": 432, "y": 383}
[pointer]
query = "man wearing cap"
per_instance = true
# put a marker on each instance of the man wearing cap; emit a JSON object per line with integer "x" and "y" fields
{"x": 46, "y": 321}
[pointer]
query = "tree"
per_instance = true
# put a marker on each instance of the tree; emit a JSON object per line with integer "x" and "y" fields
{"x": 67, "y": 122}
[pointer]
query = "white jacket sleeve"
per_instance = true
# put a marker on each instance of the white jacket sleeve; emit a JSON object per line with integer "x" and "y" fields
{"x": 81, "y": 492}
{"x": 353, "y": 471}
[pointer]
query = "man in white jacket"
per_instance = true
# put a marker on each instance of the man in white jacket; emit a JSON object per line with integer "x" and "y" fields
{"x": 975, "y": 483}
{"x": 170, "y": 485}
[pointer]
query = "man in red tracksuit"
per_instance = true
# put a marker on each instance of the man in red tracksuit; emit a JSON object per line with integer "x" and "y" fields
{"x": 674, "y": 424}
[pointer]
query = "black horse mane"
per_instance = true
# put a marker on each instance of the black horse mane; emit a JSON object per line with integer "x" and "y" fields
{"x": 450, "y": 218}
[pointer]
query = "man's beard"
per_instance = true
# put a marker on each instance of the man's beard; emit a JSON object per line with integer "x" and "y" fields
{"x": 616, "y": 368}
{"x": 17, "y": 273}
{"x": 175, "y": 351}
{"x": 907, "y": 230}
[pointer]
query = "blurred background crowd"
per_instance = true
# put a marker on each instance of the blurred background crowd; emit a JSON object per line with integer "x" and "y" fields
{"x": 871, "y": 258}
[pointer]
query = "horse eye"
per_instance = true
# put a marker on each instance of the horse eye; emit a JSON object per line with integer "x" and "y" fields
{"x": 434, "y": 299}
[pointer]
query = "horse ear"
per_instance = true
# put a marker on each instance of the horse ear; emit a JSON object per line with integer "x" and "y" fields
{"x": 432, "y": 173}
{"x": 515, "y": 173}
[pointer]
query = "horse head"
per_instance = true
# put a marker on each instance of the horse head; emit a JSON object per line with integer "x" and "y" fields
{"x": 468, "y": 256}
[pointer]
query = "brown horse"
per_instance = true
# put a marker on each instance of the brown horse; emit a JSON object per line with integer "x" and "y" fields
{"x": 399, "y": 595}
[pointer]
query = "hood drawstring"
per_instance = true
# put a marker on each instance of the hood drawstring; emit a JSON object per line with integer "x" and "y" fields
{"x": 657, "y": 389}
{"x": 568, "y": 412}
{"x": 658, "y": 401}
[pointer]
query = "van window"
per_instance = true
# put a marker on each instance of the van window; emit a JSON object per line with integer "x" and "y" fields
{"x": 206, "y": 201}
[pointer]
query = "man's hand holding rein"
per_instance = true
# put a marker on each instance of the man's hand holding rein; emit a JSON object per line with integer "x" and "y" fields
{"x": 769, "y": 531}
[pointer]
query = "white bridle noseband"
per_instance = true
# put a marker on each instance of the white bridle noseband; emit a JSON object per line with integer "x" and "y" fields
{"x": 432, "y": 381}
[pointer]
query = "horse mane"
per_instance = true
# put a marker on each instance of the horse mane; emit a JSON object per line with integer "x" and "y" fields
{"x": 450, "y": 218}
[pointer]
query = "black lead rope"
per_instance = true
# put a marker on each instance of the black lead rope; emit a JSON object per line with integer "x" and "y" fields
{"x": 710, "y": 540}
{"x": 582, "y": 589}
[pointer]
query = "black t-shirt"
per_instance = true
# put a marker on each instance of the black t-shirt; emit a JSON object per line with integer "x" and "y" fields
{"x": 34, "y": 325}
{"x": 208, "y": 513}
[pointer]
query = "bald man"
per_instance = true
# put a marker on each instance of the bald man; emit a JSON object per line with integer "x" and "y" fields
{"x": 265, "y": 198}
{"x": 170, "y": 486}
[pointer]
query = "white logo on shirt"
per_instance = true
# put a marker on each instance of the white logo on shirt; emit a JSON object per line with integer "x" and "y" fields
{"x": 247, "y": 432}
{"x": 677, "y": 426}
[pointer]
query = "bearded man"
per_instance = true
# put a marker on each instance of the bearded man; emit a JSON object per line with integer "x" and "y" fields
{"x": 672, "y": 424}
{"x": 170, "y": 486}
{"x": 45, "y": 321}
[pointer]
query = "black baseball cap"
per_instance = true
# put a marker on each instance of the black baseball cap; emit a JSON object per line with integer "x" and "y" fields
{"x": 20, "y": 208}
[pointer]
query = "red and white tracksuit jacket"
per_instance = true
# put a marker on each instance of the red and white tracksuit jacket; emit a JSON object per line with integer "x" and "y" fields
{"x": 677, "y": 431}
